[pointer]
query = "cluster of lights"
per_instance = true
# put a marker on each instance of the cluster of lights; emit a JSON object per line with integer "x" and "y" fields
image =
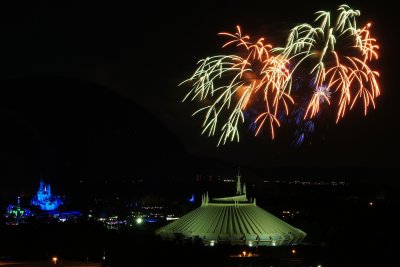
{"x": 289, "y": 214}
{"x": 246, "y": 254}
{"x": 153, "y": 207}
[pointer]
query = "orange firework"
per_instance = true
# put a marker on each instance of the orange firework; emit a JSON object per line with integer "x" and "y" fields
{"x": 258, "y": 77}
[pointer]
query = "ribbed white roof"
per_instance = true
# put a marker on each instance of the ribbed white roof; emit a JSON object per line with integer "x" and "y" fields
{"x": 233, "y": 222}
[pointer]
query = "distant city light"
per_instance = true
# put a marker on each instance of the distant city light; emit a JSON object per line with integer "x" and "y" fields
{"x": 293, "y": 251}
{"x": 139, "y": 220}
{"x": 295, "y": 181}
{"x": 54, "y": 259}
{"x": 371, "y": 203}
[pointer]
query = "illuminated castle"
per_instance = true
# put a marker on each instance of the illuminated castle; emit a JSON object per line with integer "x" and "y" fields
{"x": 44, "y": 199}
{"x": 233, "y": 220}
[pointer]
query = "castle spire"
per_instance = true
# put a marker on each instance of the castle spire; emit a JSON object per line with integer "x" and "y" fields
{"x": 238, "y": 184}
{"x": 41, "y": 184}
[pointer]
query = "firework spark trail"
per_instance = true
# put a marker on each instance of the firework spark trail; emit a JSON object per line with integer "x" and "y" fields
{"x": 334, "y": 56}
{"x": 345, "y": 74}
{"x": 257, "y": 75}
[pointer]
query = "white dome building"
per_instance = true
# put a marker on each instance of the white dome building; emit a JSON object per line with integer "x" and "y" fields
{"x": 232, "y": 220}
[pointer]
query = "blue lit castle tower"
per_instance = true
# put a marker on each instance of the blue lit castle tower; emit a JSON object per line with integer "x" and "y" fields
{"x": 44, "y": 199}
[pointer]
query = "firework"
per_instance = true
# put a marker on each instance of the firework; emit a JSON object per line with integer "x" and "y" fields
{"x": 337, "y": 56}
{"x": 332, "y": 58}
{"x": 233, "y": 83}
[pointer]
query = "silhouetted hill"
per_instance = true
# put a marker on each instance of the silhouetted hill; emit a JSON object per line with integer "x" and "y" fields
{"x": 62, "y": 129}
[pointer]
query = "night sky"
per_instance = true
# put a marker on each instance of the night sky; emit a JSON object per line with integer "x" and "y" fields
{"x": 90, "y": 91}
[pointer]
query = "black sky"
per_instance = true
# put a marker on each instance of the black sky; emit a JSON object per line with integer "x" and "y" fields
{"x": 91, "y": 90}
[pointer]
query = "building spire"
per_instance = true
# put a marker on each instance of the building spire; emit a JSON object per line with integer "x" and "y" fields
{"x": 238, "y": 184}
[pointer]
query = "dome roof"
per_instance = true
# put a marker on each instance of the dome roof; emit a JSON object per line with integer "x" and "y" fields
{"x": 232, "y": 220}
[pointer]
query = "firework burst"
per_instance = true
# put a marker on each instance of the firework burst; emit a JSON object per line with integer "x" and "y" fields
{"x": 333, "y": 57}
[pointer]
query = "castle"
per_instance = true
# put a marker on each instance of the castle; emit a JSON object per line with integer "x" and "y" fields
{"x": 44, "y": 199}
